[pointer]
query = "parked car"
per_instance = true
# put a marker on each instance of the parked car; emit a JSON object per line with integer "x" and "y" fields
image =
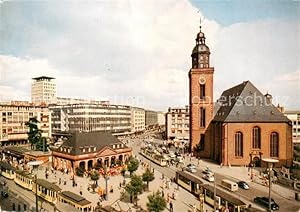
{"x": 191, "y": 165}
{"x": 264, "y": 201}
{"x": 208, "y": 177}
{"x": 191, "y": 169}
{"x": 208, "y": 171}
{"x": 243, "y": 185}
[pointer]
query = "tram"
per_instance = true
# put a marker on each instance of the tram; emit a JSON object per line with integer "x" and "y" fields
{"x": 190, "y": 182}
{"x": 154, "y": 157}
{"x": 223, "y": 200}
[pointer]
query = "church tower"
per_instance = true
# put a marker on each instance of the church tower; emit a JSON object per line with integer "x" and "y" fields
{"x": 200, "y": 97}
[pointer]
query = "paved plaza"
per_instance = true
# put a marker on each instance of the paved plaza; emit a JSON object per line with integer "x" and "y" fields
{"x": 184, "y": 200}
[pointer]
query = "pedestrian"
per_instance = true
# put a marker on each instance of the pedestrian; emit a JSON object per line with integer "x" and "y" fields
{"x": 194, "y": 208}
{"x": 171, "y": 206}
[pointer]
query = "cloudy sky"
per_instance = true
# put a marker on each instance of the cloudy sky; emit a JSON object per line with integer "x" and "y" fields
{"x": 138, "y": 52}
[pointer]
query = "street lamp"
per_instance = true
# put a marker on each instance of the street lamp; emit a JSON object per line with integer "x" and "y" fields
{"x": 106, "y": 181}
{"x": 215, "y": 193}
{"x": 270, "y": 162}
{"x": 35, "y": 165}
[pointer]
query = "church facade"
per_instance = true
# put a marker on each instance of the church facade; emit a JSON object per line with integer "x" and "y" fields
{"x": 243, "y": 126}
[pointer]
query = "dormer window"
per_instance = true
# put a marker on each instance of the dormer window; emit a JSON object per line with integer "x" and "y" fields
{"x": 113, "y": 146}
{"x": 83, "y": 150}
{"x": 69, "y": 150}
{"x": 89, "y": 149}
{"x": 94, "y": 149}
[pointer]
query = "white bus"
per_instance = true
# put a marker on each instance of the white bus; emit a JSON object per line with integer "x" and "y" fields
{"x": 231, "y": 186}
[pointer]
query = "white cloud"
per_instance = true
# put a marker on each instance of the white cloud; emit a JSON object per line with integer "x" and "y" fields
{"x": 139, "y": 51}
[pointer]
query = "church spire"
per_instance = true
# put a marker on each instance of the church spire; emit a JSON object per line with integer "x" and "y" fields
{"x": 200, "y": 54}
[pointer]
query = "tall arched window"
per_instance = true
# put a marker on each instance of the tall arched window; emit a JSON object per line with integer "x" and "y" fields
{"x": 256, "y": 138}
{"x": 274, "y": 144}
{"x": 238, "y": 144}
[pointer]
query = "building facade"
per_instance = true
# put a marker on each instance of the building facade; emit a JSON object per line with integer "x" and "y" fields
{"x": 13, "y": 118}
{"x": 91, "y": 117}
{"x": 246, "y": 127}
{"x": 161, "y": 118}
{"x": 201, "y": 92}
{"x": 43, "y": 90}
{"x": 150, "y": 119}
{"x": 294, "y": 116}
{"x": 137, "y": 119}
{"x": 69, "y": 101}
{"x": 90, "y": 149}
{"x": 177, "y": 124}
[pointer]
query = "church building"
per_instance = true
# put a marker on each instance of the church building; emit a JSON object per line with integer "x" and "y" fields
{"x": 243, "y": 126}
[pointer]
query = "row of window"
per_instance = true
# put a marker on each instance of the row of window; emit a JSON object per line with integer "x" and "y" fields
{"x": 256, "y": 142}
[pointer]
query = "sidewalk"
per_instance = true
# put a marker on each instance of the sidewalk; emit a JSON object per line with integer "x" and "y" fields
{"x": 183, "y": 202}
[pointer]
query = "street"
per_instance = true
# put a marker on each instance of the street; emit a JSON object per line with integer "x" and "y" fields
{"x": 285, "y": 201}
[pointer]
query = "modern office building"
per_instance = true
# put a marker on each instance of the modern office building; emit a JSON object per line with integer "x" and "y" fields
{"x": 178, "y": 124}
{"x": 91, "y": 117}
{"x": 13, "y": 118}
{"x": 137, "y": 119}
{"x": 43, "y": 90}
{"x": 151, "y": 119}
{"x": 294, "y": 116}
{"x": 70, "y": 101}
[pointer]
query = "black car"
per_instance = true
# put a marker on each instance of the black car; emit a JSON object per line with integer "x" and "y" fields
{"x": 264, "y": 201}
{"x": 243, "y": 185}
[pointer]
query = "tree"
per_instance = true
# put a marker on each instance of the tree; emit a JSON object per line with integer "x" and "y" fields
{"x": 156, "y": 202}
{"x": 123, "y": 171}
{"x": 79, "y": 171}
{"x": 35, "y": 136}
{"x": 132, "y": 165}
{"x": 148, "y": 176}
{"x": 134, "y": 187}
{"x": 94, "y": 177}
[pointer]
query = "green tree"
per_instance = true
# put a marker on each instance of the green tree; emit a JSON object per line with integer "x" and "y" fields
{"x": 148, "y": 176}
{"x": 79, "y": 171}
{"x": 156, "y": 202}
{"x": 94, "y": 177}
{"x": 134, "y": 187}
{"x": 132, "y": 165}
{"x": 34, "y": 133}
{"x": 123, "y": 171}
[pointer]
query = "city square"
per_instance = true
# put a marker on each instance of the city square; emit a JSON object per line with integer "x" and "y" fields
{"x": 150, "y": 106}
